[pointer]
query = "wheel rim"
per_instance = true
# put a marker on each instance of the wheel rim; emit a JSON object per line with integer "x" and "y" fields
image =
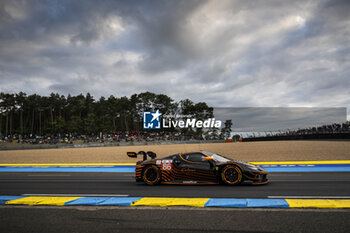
{"x": 231, "y": 175}
{"x": 151, "y": 175}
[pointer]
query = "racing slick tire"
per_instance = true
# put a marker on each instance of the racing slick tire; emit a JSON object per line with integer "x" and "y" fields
{"x": 231, "y": 175}
{"x": 151, "y": 175}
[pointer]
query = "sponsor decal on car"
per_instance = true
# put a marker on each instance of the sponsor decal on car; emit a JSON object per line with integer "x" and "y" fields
{"x": 189, "y": 182}
{"x": 167, "y": 165}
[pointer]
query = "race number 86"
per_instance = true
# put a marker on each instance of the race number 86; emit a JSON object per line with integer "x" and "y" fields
{"x": 166, "y": 166}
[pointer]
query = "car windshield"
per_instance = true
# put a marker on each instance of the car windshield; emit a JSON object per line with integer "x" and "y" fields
{"x": 216, "y": 157}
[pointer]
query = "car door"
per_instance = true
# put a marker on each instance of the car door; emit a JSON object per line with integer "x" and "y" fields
{"x": 193, "y": 166}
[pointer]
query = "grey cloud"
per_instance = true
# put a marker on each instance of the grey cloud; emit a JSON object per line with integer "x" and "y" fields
{"x": 227, "y": 53}
{"x": 274, "y": 119}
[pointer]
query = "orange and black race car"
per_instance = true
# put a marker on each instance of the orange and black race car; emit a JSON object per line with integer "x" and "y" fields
{"x": 200, "y": 167}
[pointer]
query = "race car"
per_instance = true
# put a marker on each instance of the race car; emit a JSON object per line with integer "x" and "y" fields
{"x": 199, "y": 167}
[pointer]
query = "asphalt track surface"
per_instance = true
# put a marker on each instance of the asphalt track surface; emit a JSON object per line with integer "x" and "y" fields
{"x": 123, "y": 184}
{"x": 171, "y": 219}
{"x": 153, "y": 220}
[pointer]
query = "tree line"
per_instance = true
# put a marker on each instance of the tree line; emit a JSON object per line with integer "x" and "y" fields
{"x": 83, "y": 114}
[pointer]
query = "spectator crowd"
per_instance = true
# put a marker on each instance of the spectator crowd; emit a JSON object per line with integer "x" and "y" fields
{"x": 324, "y": 129}
{"x": 70, "y": 138}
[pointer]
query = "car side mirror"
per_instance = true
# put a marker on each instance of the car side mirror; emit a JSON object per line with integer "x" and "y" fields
{"x": 208, "y": 158}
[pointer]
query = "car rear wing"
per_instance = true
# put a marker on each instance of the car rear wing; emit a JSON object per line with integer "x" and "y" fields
{"x": 151, "y": 154}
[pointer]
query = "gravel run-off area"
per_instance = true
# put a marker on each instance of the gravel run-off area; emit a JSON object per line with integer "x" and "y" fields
{"x": 248, "y": 151}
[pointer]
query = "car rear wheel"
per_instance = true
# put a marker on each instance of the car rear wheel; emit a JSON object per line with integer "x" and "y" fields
{"x": 231, "y": 175}
{"x": 151, "y": 175}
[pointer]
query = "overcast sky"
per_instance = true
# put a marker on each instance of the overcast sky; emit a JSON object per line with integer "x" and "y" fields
{"x": 226, "y": 53}
{"x": 260, "y": 119}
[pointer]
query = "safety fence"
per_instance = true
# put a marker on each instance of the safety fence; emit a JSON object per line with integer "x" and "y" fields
{"x": 105, "y": 144}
